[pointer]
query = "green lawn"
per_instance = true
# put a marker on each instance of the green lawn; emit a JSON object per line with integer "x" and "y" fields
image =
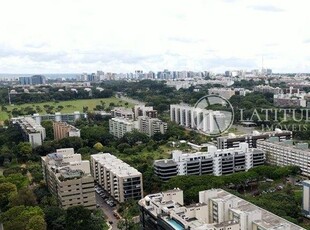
{"x": 69, "y": 106}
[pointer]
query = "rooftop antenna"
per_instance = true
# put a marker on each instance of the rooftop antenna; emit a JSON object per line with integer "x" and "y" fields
{"x": 262, "y": 63}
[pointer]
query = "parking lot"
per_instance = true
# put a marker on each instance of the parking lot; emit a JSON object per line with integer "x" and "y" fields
{"x": 108, "y": 206}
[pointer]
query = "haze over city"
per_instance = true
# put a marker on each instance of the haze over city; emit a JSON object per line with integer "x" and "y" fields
{"x": 121, "y": 36}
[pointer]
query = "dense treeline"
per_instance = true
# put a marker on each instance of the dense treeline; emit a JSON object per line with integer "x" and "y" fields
{"x": 48, "y": 93}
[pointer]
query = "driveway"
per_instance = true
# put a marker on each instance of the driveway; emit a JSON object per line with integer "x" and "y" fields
{"x": 108, "y": 211}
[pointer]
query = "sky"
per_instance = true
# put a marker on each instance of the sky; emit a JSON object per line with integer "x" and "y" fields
{"x": 75, "y": 36}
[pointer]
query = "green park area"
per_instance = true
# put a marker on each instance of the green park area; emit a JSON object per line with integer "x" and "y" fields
{"x": 61, "y": 106}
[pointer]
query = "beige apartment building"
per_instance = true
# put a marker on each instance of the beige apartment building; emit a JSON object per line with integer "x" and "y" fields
{"x": 119, "y": 179}
{"x": 63, "y": 129}
{"x": 68, "y": 178}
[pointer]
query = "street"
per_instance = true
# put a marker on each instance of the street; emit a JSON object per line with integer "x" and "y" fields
{"x": 108, "y": 211}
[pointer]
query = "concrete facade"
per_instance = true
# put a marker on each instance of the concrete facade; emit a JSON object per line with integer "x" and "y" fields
{"x": 68, "y": 178}
{"x": 119, "y": 179}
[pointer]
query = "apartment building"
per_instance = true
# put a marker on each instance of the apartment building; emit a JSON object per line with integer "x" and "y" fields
{"x": 68, "y": 178}
{"x": 32, "y": 131}
{"x": 59, "y": 117}
{"x": 150, "y": 126}
{"x": 284, "y": 153}
{"x": 215, "y": 161}
{"x": 122, "y": 112}
{"x": 306, "y": 198}
{"x": 223, "y": 92}
{"x": 63, "y": 129}
{"x": 232, "y": 140}
{"x": 145, "y": 111}
{"x": 216, "y": 210}
{"x": 291, "y": 99}
{"x": 118, "y": 126}
{"x": 119, "y": 179}
{"x": 267, "y": 89}
{"x": 206, "y": 121}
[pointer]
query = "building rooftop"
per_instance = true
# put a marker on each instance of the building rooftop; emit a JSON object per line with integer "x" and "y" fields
{"x": 166, "y": 205}
{"x": 115, "y": 165}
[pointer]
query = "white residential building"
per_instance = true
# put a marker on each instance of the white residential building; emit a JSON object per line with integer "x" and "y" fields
{"x": 215, "y": 161}
{"x": 206, "y": 121}
{"x": 150, "y": 126}
{"x": 145, "y": 111}
{"x": 291, "y": 99}
{"x": 119, "y": 179}
{"x": 59, "y": 117}
{"x": 31, "y": 130}
{"x": 68, "y": 178}
{"x": 122, "y": 112}
{"x": 216, "y": 210}
{"x": 285, "y": 153}
{"x": 118, "y": 126}
{"x": 306, "y": 198}
{"x": 232, "y": 140}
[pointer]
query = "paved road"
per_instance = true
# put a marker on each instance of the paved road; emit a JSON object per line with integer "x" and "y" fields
{"x": 108, "y": 211}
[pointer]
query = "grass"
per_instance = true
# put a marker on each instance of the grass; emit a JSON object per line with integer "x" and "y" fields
{"x": 69, "y": 106}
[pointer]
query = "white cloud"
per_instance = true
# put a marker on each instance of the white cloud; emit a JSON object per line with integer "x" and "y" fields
{"x": 44, "y": 36}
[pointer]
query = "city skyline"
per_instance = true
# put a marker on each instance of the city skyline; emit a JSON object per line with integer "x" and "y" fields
{"x": 122, "y": 36}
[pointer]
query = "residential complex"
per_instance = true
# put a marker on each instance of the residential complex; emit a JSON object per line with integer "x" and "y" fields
{"x": 215, "y": 161}
{"x": 63, "y": 129}
{"x": 32, "y": 131}
{"x": 232, "y": 140}
{"x": 119, "y": 179}
{"x": 216, "y": 210}
{"x": 285, "y": 153}
{"x": 206, "y": 121}
{"x": 68, "y": 178}
{"x": 142, "y": 119}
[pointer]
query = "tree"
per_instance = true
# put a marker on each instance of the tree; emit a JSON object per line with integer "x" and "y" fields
{"x": 18, "y": 217}
{"x": 78, "y": 218}
{"x": 36, "y": 223}
{"x": 55, "y": 217}
{"x": 6, "y": 190}
{"x": 25, "y": 196}
{"x": 48, "y": 125}
{"x": 24, "y": 151}
{"x": 98, "y": 147}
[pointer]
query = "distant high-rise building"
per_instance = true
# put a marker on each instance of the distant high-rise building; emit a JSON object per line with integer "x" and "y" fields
{"x": 38, "y": 80}
{"x": 33, "y": 80}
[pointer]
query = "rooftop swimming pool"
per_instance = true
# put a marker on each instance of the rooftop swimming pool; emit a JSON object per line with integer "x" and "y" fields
{"x": 176, "y": 225}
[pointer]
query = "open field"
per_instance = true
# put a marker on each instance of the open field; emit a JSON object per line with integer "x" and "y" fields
{"x": 68, "y": 106}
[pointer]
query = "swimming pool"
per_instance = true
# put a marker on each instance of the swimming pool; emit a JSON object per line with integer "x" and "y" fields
{"x": 176, "y": 225}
